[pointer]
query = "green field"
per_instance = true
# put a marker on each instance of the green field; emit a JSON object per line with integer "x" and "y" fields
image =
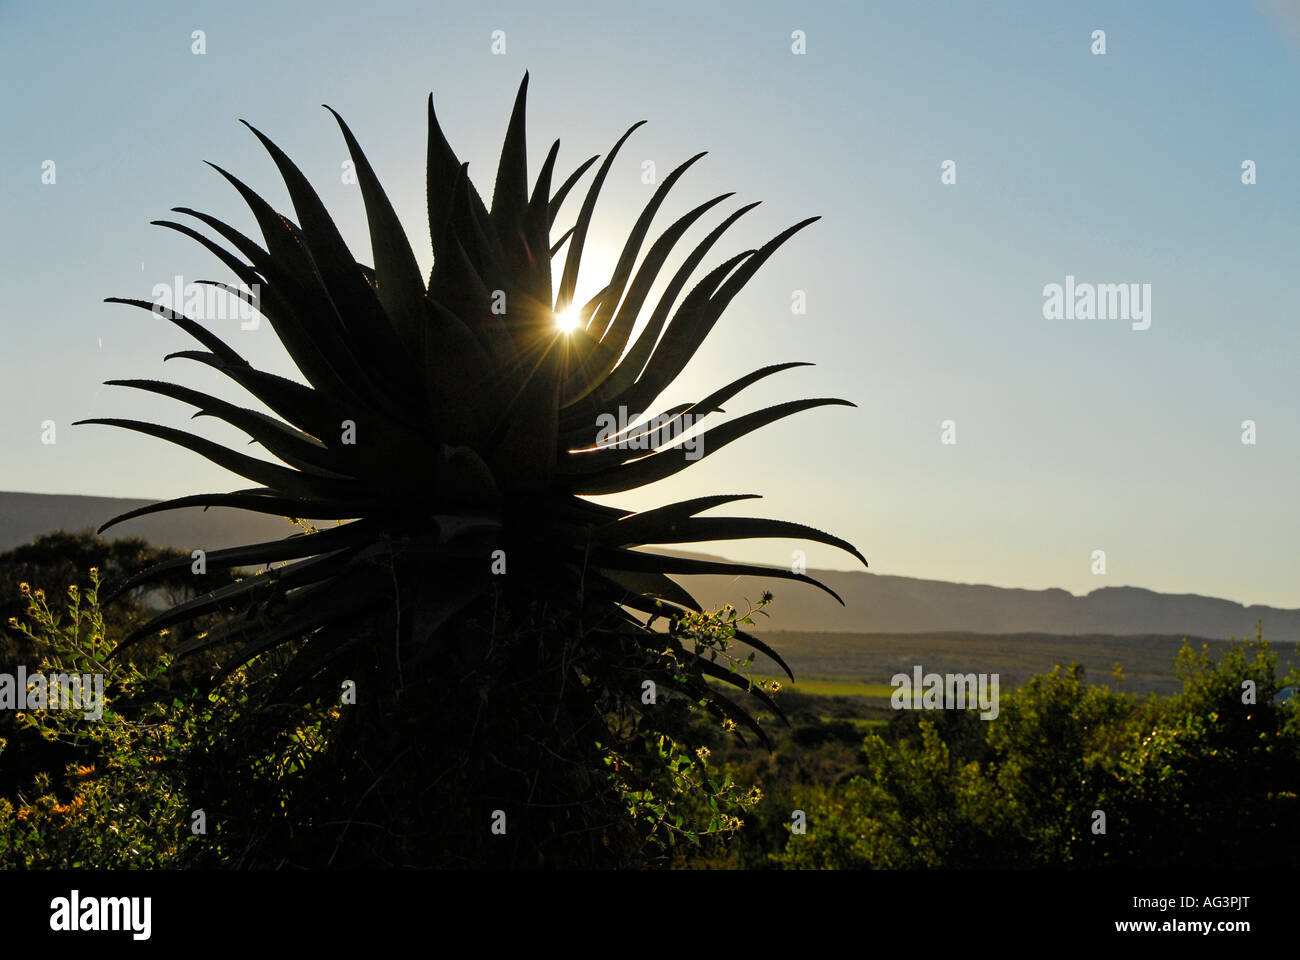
{"x": 860, "y": 665}
{"x": 832, "y": 687}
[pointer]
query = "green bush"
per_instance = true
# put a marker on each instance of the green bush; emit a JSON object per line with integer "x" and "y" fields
{"x": 1207, "y": 778}
{"x": 122, "y": 806}
{"x": 278, "y": 785}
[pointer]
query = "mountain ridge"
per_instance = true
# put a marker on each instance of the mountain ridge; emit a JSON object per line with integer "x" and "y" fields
{"x": 875, "y": 603}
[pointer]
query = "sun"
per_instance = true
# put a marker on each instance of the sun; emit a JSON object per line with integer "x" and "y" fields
{"x": 568, "y": 320}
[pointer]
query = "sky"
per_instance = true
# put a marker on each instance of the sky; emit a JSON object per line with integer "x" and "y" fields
{"x": 924, "y": 299}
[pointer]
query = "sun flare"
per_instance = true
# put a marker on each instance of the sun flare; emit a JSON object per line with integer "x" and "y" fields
{"x": 568, "y": 320}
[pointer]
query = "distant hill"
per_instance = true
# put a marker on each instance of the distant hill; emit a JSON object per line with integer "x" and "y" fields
{"x": 24, "y": 516}
{"x": 875, "y": 603}
{"x": 879, "y": 604}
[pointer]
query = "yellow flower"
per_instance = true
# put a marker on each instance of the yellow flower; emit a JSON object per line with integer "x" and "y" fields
{"x": 24, "y": 588}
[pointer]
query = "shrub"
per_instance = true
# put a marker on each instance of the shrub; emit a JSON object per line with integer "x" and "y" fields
{"x": 1208, "y": 778}
{"x": 120, "y": 802}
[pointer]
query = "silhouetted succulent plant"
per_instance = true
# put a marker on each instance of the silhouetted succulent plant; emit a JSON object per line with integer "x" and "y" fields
{"x": 446, "y": 421}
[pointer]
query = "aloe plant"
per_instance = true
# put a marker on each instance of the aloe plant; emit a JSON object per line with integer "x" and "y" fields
{"x": 449, "y": 425}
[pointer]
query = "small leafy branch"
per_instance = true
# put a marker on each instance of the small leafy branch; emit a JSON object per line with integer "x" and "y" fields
{"x": 687, "y": 803}
{"x": 671, "y": 793}
{"x": 120, "y": 803}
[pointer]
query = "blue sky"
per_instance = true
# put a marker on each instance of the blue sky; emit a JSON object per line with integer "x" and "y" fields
{"x": 924, "y": 299}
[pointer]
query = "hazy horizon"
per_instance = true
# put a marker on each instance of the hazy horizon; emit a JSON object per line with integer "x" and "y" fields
{"x": 925, "y": 300}
{"x": 190, "y": 527}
